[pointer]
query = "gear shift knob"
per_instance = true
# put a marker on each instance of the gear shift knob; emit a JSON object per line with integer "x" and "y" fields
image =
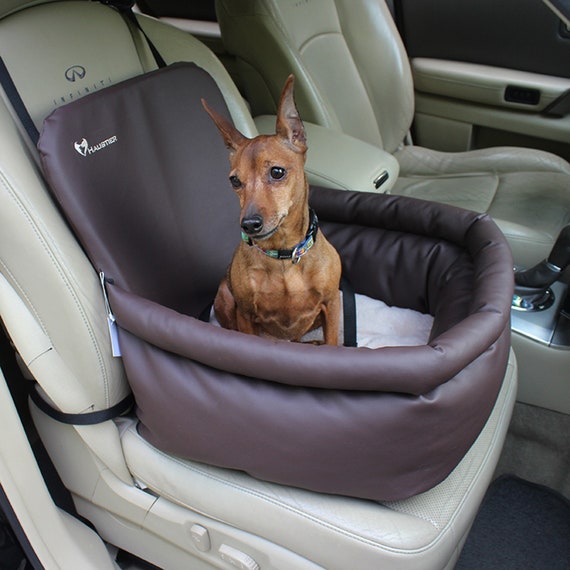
{"x": 541, "y": 276}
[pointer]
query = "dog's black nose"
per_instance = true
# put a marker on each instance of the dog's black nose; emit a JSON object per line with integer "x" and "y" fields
{"x": 252, "y": 225}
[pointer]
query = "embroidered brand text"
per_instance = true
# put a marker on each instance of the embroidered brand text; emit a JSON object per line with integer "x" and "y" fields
{"x": 84, "y": 148}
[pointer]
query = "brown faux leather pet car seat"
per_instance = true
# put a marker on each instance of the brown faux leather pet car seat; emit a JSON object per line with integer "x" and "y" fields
{"x": 155, "y": 215}
{"x": 176, "y": 512}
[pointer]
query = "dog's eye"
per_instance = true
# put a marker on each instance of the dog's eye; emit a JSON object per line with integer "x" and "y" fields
{"x": 235, "y": 182}
{"x": 277, "y": 173}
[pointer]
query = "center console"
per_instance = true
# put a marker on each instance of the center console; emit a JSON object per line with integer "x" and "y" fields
{"x": 540, "y": 322}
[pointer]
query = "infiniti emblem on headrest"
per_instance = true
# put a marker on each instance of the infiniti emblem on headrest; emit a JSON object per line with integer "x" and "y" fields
{"x": 75, "y": 72}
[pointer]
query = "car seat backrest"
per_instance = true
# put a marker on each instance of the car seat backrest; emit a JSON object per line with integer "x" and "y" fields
{"x": 56, "y": 52}
{"x": 347, "y": 54}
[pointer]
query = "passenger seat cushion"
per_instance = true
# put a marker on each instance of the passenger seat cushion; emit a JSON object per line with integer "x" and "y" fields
{"x": 141, "y": 173}
{"x": 521, "y": 189}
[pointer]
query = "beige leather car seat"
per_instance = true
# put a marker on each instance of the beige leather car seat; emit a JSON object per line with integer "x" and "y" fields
{"x": 353, "y": 75}
{"x": 171, "y": 512}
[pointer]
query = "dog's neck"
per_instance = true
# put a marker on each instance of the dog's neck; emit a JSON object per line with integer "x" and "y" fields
{"x": 301, "y": 247}
{"x": 293, "y": 229}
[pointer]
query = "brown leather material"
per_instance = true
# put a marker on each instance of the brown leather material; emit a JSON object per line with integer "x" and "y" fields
{"x": 152, "y": 232}
{"x": 419, "y": 272}
{"x": 160, "y": 220}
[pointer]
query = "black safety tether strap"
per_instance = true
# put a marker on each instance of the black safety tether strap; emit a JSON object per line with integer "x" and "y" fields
{"x": 85, "y": 419}
{"x": 17, "y": 103}
{"x": 349, "y": 312}
{"x": 125, "y": 7}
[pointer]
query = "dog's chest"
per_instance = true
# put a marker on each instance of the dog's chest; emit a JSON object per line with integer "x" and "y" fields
{"x": 284, "y": 305}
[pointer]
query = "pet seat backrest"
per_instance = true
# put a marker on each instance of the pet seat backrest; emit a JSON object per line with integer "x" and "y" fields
{"x": 51, "y": 299}
{"x": 142, "y": 177}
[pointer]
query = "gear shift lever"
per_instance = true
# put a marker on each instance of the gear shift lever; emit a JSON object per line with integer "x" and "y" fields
{"x": 560, "y": 254}
{"x": 532, "y": 286}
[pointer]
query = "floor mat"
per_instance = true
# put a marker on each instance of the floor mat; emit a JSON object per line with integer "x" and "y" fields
{"x": 520, "y": 525}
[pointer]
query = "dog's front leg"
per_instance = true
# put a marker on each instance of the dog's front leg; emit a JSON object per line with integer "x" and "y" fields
{"x": 245, "y": 324}
{"x": 225, "y": 306}
{"x": 330, "y": 320}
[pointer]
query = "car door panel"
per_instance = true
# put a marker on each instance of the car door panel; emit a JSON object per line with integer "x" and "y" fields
{"x": 487, "y": 73}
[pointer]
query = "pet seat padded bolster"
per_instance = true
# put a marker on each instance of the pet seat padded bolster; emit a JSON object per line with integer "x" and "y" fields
{"x": 391, "y": 369}
{"x": 154, "y": 211}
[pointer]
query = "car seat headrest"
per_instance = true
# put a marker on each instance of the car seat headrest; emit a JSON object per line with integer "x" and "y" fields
{"x": 86, "y": 47}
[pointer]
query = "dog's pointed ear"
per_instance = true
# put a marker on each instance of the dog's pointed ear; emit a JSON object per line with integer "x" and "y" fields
{"x": 289, "y": 124}
{"x": 232, "y": 137}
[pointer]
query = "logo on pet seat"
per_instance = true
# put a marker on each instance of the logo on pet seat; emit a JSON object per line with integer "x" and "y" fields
{"x": 83, "y": 147}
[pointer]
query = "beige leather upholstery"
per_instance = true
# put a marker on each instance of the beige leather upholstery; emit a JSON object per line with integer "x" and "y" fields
{"x": 139, "y": 498}
{"x": 335, "y": 532}
{"x": 354, "y": 75}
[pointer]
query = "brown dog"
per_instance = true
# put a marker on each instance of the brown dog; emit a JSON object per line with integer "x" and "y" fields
{"x": 284, "y": 277}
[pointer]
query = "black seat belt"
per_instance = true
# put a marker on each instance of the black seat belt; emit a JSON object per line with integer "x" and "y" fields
{"x": 125, "y": 8}
{"x": 17, "y": 103}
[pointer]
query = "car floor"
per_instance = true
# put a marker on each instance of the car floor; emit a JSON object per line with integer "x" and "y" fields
{"x": 536, "y": 448}
{"x": 520, "y": 525}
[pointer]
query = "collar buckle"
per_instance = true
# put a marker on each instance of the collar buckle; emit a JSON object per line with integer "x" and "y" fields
{"x": 296, "y": 255}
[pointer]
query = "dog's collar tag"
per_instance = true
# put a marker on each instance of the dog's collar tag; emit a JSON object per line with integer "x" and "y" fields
{"x": 295, "y": 253}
